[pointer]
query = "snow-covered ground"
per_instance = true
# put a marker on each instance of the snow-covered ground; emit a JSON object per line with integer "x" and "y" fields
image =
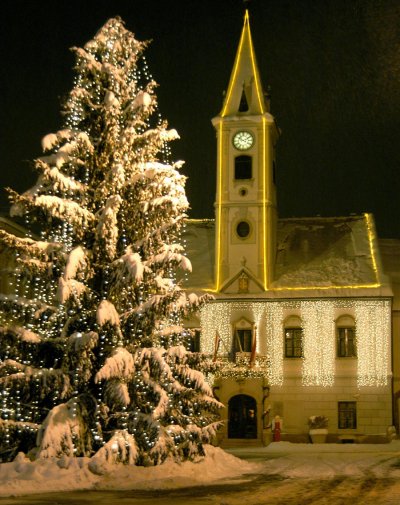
{"x": 295, "y": 466}
{"x": 49, "y": 475}
{"x": 324, "y": 461}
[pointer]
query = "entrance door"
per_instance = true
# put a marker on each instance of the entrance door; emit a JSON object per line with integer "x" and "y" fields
{"x": 242, "y": 417}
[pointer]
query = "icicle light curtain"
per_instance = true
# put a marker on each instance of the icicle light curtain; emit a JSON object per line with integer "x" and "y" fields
{"x": 319, "y": 336}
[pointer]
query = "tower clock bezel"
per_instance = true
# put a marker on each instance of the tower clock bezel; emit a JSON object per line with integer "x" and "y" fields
{"x": 243, "y": 140}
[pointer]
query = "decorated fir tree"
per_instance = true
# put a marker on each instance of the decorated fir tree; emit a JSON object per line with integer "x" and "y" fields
{"x": 92, "y": 351}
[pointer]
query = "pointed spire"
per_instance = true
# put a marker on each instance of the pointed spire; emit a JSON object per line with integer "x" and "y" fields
{"x": 245, "y": 83}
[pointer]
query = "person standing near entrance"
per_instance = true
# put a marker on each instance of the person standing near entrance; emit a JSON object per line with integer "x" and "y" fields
{"x": 277, "y": 428}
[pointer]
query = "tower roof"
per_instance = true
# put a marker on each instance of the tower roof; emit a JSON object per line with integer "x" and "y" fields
{"x": 245, "y": 94}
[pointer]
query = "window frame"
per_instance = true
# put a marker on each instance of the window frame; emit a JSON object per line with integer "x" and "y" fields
{"x": 350, "y": 347}
{"x": 243, "y": 159}
{"x": 348, "y": 409}
{"x": 239, "y": 225}
{"x": 244, "y": 340}
{"x": 297, "y": 334}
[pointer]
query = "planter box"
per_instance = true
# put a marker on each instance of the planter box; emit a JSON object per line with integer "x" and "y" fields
{"x": 318, "y": 436}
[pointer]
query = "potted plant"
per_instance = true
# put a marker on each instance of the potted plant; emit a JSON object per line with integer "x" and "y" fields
{"x": 318, "y": 429}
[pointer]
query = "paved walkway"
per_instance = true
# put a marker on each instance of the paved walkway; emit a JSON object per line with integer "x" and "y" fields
{"x": 280, "y": 449}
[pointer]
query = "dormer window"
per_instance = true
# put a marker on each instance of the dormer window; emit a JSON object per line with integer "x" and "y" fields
{"x": 243, "y": 167}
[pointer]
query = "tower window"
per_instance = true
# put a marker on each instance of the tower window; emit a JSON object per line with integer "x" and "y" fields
{"x": 243, "y": 229}
{"x": 243, "y": 168}
{"x": 243, "y": 106}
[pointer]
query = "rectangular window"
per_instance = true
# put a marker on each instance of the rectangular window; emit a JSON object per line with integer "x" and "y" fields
{"x": 243, "y": 340}
{"x": 347, "y": 415}
{"x": 243, "y": 169}
{"x": 194, "y": 341}
{"x": 293, "y": 343}
{"x": 346, "y": 344}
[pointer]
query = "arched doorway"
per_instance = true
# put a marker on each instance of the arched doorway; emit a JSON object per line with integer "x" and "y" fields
{"x": 242, "y": 417}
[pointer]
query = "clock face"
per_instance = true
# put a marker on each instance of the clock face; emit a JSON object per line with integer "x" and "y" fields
{"x": 243, "y": 140}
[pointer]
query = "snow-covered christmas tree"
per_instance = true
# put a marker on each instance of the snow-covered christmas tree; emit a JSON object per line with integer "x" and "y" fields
{"x": 93, "y": 357}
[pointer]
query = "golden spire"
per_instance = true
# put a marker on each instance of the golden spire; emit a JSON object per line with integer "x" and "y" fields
{"x": 245, "y": 84}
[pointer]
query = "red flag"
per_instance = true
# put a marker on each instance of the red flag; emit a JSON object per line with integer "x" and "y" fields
{"x": 253, "y": 348}
{"x": 216, "y": 345}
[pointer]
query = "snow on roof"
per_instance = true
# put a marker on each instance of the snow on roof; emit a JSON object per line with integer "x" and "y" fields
{"x": 323, "y": 253}
{"x": 200, "y": 249}
{"x": 390, "y": 253}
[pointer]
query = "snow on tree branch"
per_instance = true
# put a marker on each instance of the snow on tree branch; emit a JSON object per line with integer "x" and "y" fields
{"x": 143, "y": 100}
{"x": 116, "y": 394}
{"x": 107, "y": 313}
{"x": 130, "y": 264}
{"x": 48, "y": 379}
{"x": 60, "y": 182}
{"x": 59, "y": 431}
{"x": 36, "y": 248}
{"x": 120, "y": 364}
{"x": 53, "y": 140}
{"x": 107, "y": 229}
{"x": 57, "y": 207}
{"x": 168, "y": 254}
{"x": 69, "y": 288}
{"x": 77, "y": 260}
{"x": 25, "y": 335}
{"x": 121, "y": 448}
{"x": 86, "y": 340}
{"x": 22, "y": 302}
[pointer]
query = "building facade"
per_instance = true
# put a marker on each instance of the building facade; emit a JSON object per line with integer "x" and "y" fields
{"x": 301, "y": 322}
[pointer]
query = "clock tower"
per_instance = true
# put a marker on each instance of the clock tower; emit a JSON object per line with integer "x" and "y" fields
{"x": 245, "y": 207}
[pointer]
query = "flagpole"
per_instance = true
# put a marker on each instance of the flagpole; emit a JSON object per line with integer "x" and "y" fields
{"x": 216, "y": 345}
{"x": 253, "y": 347}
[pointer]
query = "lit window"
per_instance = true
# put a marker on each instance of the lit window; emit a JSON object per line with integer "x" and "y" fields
{"x": 347, "y": 415}
{"x": 293, "y": 343}
{"x": 346, "y": 343}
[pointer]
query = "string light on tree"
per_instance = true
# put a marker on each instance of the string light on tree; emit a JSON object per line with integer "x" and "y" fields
{"x": 104, "y": 283}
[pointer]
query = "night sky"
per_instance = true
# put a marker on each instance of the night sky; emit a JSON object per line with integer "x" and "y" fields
{"x": 333, "y": 68}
